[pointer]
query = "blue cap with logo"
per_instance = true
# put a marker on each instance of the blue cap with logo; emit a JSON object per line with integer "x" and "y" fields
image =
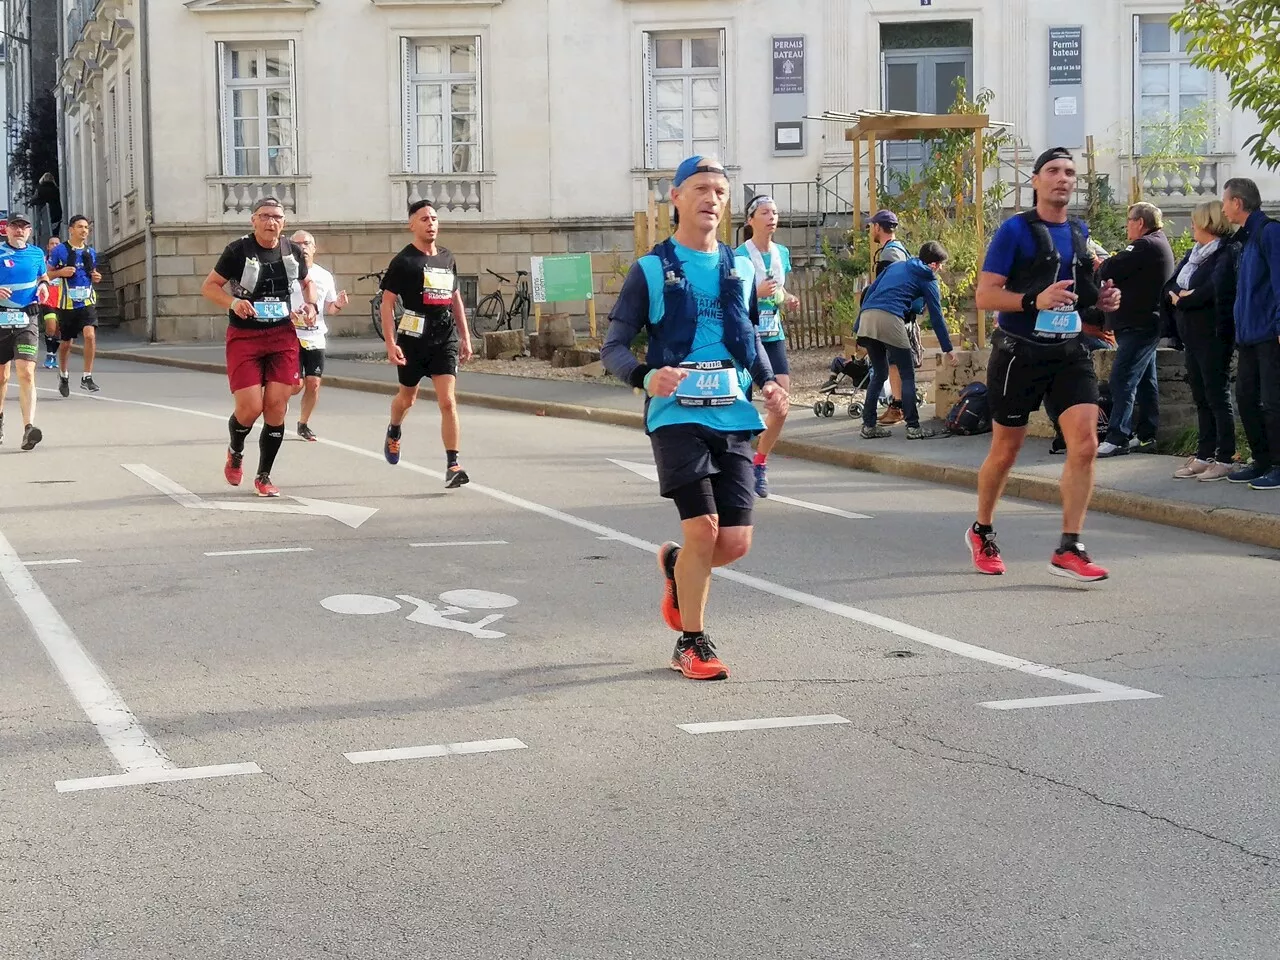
{"x": 696, "y": 165}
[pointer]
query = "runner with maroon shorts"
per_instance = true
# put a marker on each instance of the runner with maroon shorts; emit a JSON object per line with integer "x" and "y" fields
{"x": 261, "y": 281}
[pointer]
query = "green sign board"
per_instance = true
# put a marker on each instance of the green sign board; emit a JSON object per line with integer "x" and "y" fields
{"x": 557, "y": 279}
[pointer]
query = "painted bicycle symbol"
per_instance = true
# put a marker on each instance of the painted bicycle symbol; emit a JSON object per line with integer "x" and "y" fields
{"x": 453, "y": 603}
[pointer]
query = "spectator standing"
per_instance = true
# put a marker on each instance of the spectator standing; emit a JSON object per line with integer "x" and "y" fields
{"x": 1257, "y": 319}
{"x": 1140, "y": 271}
{"x": 50, "y": 197}
{"x": 891, "y": 250}
{"x": 1202, "y": 296}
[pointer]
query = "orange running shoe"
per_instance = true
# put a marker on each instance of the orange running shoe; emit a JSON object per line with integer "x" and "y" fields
{"x": 696, "y": 659}
{"x": 233, "y": 471}
{"x": 265, "y": 487}
{"x": 667, "y": 554}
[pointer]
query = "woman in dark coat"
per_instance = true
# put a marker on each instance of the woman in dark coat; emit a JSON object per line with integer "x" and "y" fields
{"x": 1202, "y": 296}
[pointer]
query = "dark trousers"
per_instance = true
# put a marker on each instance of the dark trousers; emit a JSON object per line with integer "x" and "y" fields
{"x": 881, "y": 356}
{"x": 1258, "y": 399}
{"x": 1134, "y": 387}
{"x": 1208, "y": 359}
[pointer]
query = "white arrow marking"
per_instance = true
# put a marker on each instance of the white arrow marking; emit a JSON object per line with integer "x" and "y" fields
{"x": 650, "y": 472}
{"x": 348, "y": 513}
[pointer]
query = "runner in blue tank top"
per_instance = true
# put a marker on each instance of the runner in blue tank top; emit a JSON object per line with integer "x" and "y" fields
{"x": 23, "y": 273}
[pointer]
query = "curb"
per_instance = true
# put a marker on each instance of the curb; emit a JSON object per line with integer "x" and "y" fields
{"x": 1230, "y": 523}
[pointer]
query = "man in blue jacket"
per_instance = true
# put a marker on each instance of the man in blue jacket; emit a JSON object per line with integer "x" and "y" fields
{"x": 1257, "y": 333}
{"x": 901, "y": 288}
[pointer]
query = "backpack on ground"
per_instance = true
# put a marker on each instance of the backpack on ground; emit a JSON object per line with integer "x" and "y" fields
{"x": 971, "y": 414}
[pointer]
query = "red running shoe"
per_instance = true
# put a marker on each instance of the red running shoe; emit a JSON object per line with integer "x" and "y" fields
{"x": 697, "y": 659}
{"x": 265, "y": 487}
{"x": 233, "y": 471}
{"x": 986, "y": 555}
{"x": 667, "y": 554}
{"x": 1073, "y": 562}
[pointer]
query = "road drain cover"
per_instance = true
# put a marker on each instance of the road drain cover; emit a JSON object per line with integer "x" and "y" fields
{"x": 901, "y": 654}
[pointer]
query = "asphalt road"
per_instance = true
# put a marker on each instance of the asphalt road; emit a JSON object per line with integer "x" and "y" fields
{"x": 1026, "y": 767}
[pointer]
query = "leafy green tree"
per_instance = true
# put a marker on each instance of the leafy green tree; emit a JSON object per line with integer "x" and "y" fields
{"x": 35, "y": 152}
{"x": 1240, "y": 39}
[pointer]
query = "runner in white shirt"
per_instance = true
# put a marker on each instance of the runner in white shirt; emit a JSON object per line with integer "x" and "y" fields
{"x": 311, "y": 339}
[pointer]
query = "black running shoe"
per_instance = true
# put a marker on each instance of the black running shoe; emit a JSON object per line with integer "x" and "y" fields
{"x": 455, "y": 477}
{"x": 31, "y": 436}
{"x": 86, "y": 383}
{"x": 64, "y": 386}
{"x": 306, "y": 433}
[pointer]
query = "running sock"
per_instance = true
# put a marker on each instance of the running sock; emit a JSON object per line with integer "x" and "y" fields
{"x": 238, "y": 433}
{"x": 761, "y": 459}
{"x": 393, "y": 431}
{"x": 689, "y": 636}
{"x": 1068, "y": 542}
{"x": 268, "y": 446}
{"x": 452, "y": 457}
{"x": 983, "y": 529}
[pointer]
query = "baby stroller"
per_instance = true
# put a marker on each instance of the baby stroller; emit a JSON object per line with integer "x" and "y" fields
{"x": 849, "y": 378}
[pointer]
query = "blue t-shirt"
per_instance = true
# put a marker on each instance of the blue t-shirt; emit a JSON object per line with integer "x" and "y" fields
{"x": 642, "y": 295}
{"x": 75, "y": 291}
{"x": 20, "y": 272}
{"x": 770, "y": 323}
{"x": 1014, "y": 240}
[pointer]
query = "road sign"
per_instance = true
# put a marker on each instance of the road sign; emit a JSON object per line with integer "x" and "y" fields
{"x": 557, "y": 279}
{"x": 348, "y": 513}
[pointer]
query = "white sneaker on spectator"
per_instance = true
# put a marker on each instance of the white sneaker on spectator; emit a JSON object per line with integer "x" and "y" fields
{"x": 1108, "y": 449}
{"x": 1216, "y": 471}
{"x": 1192, "y": 469}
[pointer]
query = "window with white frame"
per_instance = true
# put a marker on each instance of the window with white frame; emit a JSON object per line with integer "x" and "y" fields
{"x": 684, "y": 85}
{"x": 257, "y": 99}
{"x": 1169, "y": 87}
{"x": 441, "y": 105}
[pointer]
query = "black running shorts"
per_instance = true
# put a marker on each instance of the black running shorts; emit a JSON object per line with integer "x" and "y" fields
{"x": 311, "y": 362}
{"x": 705, "y": 472}
{"x": 1021, "y": 374}
{"x": 19, "y": 343}
{"x": 71, "y": 323}
{"x": 427, "y": 360}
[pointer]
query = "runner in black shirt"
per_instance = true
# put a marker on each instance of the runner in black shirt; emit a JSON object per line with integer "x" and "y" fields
{"x": 430, "y": 338}
{"x": 261, "y": 281}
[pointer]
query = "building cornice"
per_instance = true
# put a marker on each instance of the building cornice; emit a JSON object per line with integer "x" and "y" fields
{"x": 244, "y": 6}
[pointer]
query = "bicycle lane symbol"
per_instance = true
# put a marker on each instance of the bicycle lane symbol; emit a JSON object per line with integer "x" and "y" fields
{"x": 454, "y": 603}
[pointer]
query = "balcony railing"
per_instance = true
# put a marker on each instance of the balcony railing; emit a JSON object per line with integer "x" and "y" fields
{"x": 1195, "y": 180}
{"x": 232, "y": 198}
{"x": 452, "y": 192}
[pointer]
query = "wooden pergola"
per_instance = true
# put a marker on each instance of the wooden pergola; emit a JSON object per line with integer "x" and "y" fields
{"x": 871, "y": 127}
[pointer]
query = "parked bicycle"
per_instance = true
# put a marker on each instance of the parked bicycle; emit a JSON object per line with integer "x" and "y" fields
{"x": 375, "y": 302}
{"x": 492, "y": 314}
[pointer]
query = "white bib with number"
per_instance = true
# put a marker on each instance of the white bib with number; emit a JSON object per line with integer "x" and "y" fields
{"x": 80, "y": 293}
{"x": 411, "y": 324}
{"x": 770, "y": 323}
{"x": 13, "y": 318}
{"x": 1058, "y": 323}
{"x": 270, "y": 309}
{"x": 713, "y": 384}
{"x": 437, "y": 287}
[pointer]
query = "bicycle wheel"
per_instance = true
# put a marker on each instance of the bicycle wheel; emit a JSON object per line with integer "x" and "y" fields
{"x": 490, "y": 314}
{"x": 375, "y": 310}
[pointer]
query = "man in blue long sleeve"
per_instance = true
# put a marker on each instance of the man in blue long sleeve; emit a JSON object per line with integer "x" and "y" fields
{"x": 697, "y": 301}
{"x": 1257, "y": 333}
{"x": 900, "y": 288}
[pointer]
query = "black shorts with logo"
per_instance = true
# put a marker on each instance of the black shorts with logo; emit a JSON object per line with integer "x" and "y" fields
{"x": 427, "y": 357}
{"x": 705, "y": 472}
{"x": 19, "y": 343}
{"x": 71, "y": 323}
{"x": 1021, "y": 374}
{"x": 311, "y": 362}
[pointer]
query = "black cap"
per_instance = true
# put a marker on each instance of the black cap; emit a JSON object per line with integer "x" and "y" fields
{"x": 1053, "y": 153}
{"x": 19, "y": 218}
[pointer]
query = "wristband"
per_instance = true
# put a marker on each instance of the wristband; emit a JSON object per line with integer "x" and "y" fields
{"x": 647, "y": 377}
{"x": 1028, "y": 302}
{"x": 637, "y": 376}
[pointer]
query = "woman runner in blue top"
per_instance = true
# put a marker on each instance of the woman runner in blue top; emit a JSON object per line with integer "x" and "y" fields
{"x": 772, "y": 263}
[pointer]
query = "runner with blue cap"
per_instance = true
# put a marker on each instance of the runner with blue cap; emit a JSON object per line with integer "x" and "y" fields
{"x": 697, "y": 301}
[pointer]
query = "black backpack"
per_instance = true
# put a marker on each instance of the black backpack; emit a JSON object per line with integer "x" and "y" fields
{"x": 971, "y": 414}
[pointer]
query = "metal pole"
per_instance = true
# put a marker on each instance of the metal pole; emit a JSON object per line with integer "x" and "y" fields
{"x": 148, "y": 178}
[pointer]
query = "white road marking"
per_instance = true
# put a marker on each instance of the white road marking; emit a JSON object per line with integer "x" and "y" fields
{"x": 650, "y": 472}
{"x": 348, "y": 513}
{"x": 1102, "y": 690}
{"x": 478, "y": 599}
{"x": 462, "y": 543}
{"x": 767, "y": 723}
{"x": 359, "y": 604}
{"x": 250, "y": 553}
{"x": 46, "y": 563}
{"x": 157, "y": 776}
{"x": 141, "y": 757}
{"x": 435, "y": 750}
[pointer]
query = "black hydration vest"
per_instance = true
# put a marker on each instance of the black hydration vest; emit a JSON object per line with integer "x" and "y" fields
{"x": 1041, "y": 272}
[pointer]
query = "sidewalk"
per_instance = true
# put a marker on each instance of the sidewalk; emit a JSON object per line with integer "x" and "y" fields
{"x": 1138, "y": 486}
